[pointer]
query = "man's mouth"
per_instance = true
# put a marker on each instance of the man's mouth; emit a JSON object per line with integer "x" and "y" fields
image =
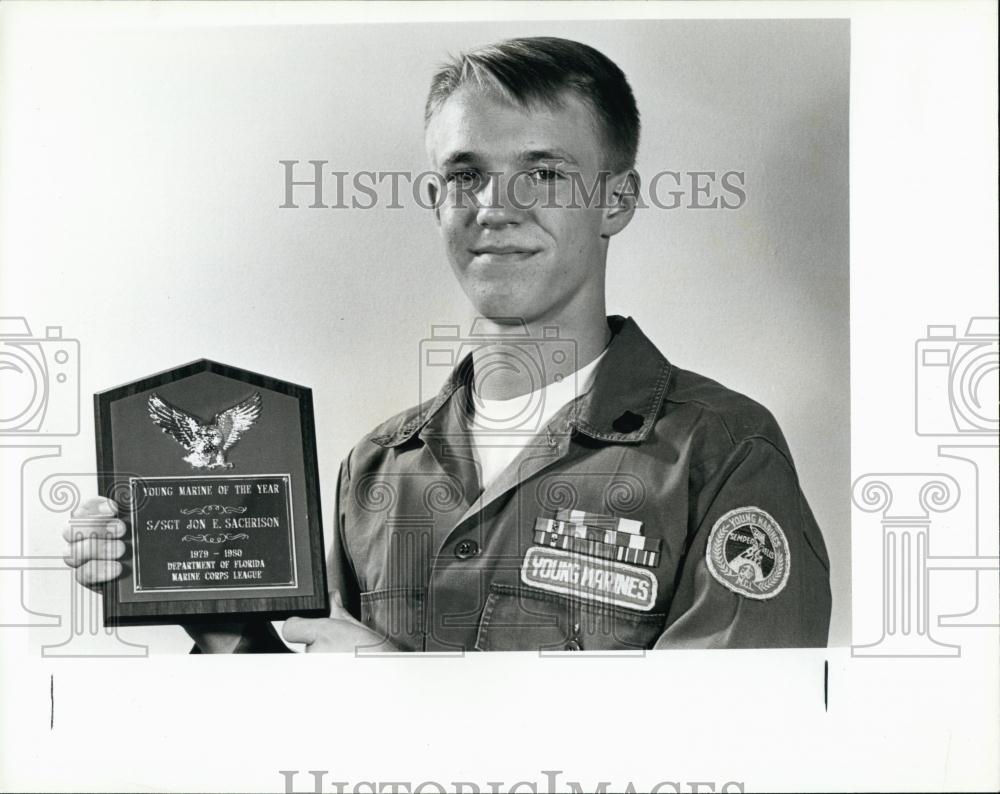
{"x": 502, "y": 253}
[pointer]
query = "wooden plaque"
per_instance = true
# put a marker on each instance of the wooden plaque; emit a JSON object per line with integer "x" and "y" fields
{"x": 214, "y": 472}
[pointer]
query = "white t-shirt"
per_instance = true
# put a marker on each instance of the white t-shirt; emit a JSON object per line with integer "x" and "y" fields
{"x": 502, "y": 428}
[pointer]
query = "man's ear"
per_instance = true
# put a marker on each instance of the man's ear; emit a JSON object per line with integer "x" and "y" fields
{"x": 432, "y": 194}
{"x": 622, "y": 202}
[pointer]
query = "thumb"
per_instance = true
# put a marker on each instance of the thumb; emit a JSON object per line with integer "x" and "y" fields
{"x": 304, "y": 630}
{"x": 95, "y": 507}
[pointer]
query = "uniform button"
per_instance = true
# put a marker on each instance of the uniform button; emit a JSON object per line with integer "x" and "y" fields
{"x": 466, "y": 549}
{"x": 573, "y": 645}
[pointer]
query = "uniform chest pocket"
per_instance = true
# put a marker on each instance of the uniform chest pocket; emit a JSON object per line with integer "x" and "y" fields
{"x": 397, "y": 614}
{"x": 518, "y": 618}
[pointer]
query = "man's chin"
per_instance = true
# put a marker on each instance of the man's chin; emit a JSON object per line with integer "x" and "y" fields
{"x": 503, "y": 310}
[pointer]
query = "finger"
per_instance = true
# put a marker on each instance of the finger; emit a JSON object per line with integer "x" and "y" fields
{"x": 98, "y": 571}
{"x": 304, "y": 630}
{"x": 93, "y": 549}
{"x": 79, "y": 528}
{"x": 95, "y": 506}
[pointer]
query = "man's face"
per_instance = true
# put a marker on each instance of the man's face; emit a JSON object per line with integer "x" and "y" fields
{"x": 521, "y": 236}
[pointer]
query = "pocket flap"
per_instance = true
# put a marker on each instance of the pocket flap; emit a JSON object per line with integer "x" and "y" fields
{"x": 518, "y": 618}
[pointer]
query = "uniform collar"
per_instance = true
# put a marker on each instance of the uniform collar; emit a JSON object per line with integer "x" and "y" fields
{"x": 629, "y": 387}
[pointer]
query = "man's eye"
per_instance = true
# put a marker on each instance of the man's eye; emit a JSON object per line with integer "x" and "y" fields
{"x": 545, "y": 174}
{"x": 464, "y": 178}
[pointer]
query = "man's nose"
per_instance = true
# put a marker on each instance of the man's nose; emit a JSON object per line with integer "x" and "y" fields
{"x": 498, "y": 204}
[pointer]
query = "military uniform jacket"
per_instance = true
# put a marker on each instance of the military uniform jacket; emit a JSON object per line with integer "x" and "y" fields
{"x": 431, "y": 562}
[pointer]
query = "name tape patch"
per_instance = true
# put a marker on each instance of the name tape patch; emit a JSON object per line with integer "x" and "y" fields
{"x": 590, "y": 578}
{"x": 748, "y": 553}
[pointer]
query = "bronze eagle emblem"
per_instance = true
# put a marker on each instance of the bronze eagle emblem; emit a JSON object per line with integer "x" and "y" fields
{"x": 207, "y": 442}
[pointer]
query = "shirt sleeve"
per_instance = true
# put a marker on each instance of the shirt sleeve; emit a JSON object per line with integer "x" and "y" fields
{"x": 748, "y": 519}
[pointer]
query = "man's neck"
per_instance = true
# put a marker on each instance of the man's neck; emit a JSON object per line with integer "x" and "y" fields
{"x": 550, "y": 351}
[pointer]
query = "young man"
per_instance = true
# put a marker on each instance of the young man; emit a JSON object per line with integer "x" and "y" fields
{"x": 568, "y": 488}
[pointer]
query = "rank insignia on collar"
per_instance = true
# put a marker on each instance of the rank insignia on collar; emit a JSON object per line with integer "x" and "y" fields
{"x": 748, "y": 553}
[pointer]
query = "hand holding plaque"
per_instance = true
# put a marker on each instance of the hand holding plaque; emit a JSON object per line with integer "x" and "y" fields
{"x": 214, "y": 471}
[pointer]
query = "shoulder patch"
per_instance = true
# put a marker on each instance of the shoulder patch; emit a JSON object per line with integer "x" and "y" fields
{"x": 748, "y": 553}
